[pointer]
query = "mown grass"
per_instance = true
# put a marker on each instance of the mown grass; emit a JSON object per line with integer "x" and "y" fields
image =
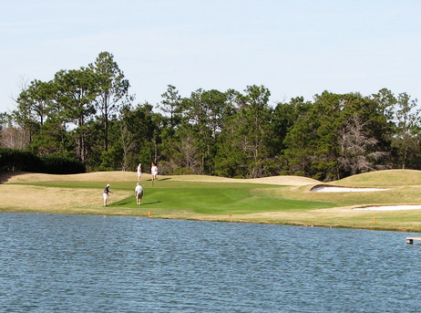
{"x": 219, "y": 200}
{"x": 199, "y": 197}
{"x": 202, "y": 198}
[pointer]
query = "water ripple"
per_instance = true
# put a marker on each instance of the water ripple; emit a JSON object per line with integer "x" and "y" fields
{"x": 62, "y": 263}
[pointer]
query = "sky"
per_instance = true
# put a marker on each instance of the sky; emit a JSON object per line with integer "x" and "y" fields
{"x": 295, "y": 48}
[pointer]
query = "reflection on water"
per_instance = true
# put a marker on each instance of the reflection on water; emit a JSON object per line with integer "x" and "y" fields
{"x": 69, "y": 263}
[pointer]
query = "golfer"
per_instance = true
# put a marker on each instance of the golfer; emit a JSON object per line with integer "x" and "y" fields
{"x": 105, "y": 194}
{"x": 154, "y": 171}
{"x": 139, "y": 171}
{"x": 138, "y": 191}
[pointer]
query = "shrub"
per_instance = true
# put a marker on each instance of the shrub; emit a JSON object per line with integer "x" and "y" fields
{"x": 18, "y": 160}
{"x": 61, "y": 165}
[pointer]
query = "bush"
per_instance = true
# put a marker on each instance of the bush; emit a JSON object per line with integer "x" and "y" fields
{"x": 183, "y": 171}
{"x": 61, "y": 165}
{"x": 18, "y": 160}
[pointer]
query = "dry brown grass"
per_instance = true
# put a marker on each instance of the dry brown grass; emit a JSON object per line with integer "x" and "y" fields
{"x": 97, "y": 176}
{"x": 387, "y": 178}
{"x": 132, "y": 176}
{"x": 45, "y": 199}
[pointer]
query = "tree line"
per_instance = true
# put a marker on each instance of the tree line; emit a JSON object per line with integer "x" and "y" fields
{"x": 89, "y": 115}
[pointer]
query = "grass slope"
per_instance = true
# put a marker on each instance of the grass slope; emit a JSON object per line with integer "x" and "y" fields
{"x": 281, "y": 200}
{"x": 387, "y": 178}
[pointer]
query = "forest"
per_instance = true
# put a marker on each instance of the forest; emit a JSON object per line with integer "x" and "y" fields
{"x": 89, "y": 115}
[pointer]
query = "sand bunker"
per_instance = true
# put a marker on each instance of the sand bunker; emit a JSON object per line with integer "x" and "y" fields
{"x": 344, "y": 189}
{"x": 389, "y": 208}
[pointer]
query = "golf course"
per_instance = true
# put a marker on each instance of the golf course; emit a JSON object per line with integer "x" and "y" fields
{"x": 287, "y": 200}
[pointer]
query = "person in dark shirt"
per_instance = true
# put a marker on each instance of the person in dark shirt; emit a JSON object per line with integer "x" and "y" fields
{"x": 106, "y": 193}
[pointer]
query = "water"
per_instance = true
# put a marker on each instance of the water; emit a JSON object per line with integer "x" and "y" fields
{"x": 69, "y": 263}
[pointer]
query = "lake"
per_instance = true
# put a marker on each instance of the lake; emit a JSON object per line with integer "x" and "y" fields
{"x": 72, "y": 263}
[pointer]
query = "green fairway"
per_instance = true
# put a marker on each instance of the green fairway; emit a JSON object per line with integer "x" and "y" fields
{"x": 201, "y": 197}
{"x": 218, "y": 200}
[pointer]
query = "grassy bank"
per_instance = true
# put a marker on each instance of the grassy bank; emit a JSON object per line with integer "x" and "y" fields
{"x": 279, "y": 200}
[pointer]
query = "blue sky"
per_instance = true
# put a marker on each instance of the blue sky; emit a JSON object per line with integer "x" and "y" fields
{"x": 292, "y": 47}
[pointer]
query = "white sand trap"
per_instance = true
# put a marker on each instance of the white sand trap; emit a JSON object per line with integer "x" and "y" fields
{"x": 345, "y": 189}
{"x": 390, "y": 208}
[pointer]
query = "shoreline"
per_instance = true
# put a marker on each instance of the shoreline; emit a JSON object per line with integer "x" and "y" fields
{"x": 218, "y": 220}
{"x": 81, "y": 194}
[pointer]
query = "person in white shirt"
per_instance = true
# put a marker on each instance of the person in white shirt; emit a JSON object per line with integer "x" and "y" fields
{"x": 139, "y": 171}
{"x": 154, "y": 171}
{"x": 138, "y": 191}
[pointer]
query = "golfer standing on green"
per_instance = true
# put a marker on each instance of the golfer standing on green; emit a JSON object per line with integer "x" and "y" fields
{"x": 138, "y": 191}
